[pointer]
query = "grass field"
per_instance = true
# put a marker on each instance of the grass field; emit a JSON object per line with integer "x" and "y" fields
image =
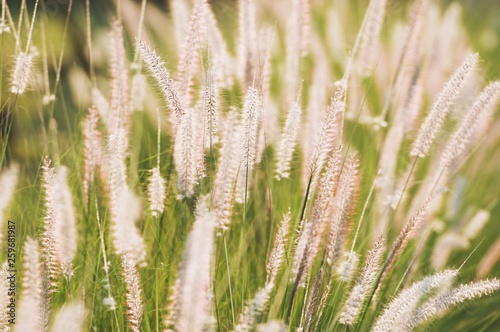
{"x": 252, "y": 165}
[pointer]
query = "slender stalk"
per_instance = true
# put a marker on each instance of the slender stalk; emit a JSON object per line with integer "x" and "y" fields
{"x": 229, "y": 281}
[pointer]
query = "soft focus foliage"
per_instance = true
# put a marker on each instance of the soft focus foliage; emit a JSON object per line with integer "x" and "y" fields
{"x": 251, "y": 165}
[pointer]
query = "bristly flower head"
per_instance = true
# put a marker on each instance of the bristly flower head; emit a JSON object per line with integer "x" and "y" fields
{"x": 70, "y": 318}
{"x": 134, "y": 293}
{"x": 396, "y": 313}
{"x": 194, "y": 298}
{"x": 227, "y": 170}
{"x": 137, "y": 92}
{"x": 8, "y": 181}
{"x": 348, "y": 266}
{"x": 185, "y": 156}
{"x": 458, "y": 142}
{"x": 50, "y": 247}
{"x": 354, "y": 303}
{"x": 33, "y": 304}
{"x": 156, "y": 67}
{"x": 330, "y": 134}
{"x": 443, "y": 302}
{"x": 59, "y": 237}
{"x": 278, "y": 251}
{"x": 288, "y": 141}
{"x": 434, "y": 120}
{"x": 92, "y": 149}
{"x": 21, "y": 74}
{"x": 156, "y": 193}
{"x": 252, "y": 116}
{"x": 4, "y": 289}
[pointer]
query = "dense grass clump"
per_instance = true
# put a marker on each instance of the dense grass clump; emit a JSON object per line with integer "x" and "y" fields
{"x": 267, "y": 166}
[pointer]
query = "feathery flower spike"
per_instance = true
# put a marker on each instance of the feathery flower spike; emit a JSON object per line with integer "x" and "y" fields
{"x": 354, "y": 303}
{"x": 70, "y": 318}
{"x": 92, "y": 149}
{"x": 394, "y": 316}
{"x": 227, "y": 170}
{"x": 8, "y": 181}
{"x": 134, "y": 293}
{"x": 434, "y": 120}
{"x": 21, "y": 73}
{"x": 156, "y": 193}
{"x": 458, "y": 141}
{"x": 443, "y": 302}
{"x": 185, "y": 155}
{"x": 348, "y": 266}
{"x": 33, "y": 305}
{"x": 288, "y": 142}
{"x": 194, "y": 301}
{"x": 372, "y": 25}
{"x": 170, "y": 89}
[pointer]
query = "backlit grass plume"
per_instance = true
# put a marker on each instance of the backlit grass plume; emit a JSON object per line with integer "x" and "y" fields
{"x": 250, "y": 165}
